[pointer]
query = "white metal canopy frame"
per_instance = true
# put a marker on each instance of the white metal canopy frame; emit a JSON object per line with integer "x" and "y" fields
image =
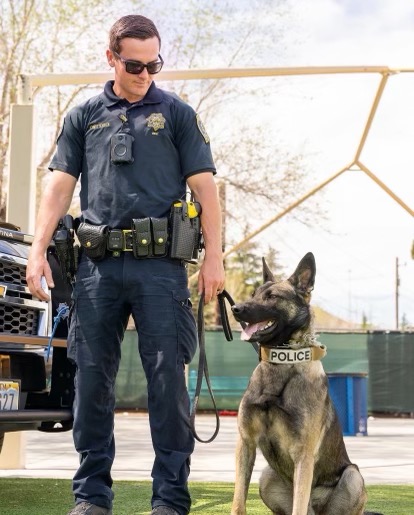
{"x": 23, "y": 172}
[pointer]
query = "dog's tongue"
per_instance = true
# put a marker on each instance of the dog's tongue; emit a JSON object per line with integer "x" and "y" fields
{"x": 249, "y": 330}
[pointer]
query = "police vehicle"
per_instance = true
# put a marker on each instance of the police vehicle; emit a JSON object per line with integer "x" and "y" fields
{"x": 36, "y": 378}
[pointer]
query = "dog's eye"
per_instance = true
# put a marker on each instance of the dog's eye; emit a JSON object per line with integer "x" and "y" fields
{"x": 273, "y": 296}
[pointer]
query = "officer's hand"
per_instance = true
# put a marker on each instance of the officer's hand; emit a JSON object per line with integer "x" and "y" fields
{"x": 38, "y": 268}
{"x": 211, "y": 277}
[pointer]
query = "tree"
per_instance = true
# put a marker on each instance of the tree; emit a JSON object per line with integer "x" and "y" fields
{"x": 43, "y": 36}
{"x": 244, "y": 273}
{"x": 365, "y": 325}
{"x": 259, "y": 176}
{"x": 405, "y": 324}
{"x": 39, "y": 36}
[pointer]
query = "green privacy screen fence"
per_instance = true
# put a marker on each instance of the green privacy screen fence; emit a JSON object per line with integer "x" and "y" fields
{"x": 385, "y": 358}
{"x": 391, "y": 371}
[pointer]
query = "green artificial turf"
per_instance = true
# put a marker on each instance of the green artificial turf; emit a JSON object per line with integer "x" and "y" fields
{"x": 27, "y": 496}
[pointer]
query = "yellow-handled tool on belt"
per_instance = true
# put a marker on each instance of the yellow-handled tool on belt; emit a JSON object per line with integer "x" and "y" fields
{"x": 193, "y": 208}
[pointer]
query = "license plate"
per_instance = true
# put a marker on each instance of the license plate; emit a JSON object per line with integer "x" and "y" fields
{"x": 9, "y": 395}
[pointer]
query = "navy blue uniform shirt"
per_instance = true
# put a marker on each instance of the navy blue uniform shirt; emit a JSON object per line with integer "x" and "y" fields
{"x": 170, "y": 144}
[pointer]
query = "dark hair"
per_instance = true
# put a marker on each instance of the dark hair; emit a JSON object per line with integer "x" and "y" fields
{"x": 131, "y": 26}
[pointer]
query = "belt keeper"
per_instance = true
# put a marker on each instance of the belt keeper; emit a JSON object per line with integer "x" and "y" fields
{"x": 141, "y": 237}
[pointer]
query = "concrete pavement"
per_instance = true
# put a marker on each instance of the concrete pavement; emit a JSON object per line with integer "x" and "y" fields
{"x": 385, "y": 456}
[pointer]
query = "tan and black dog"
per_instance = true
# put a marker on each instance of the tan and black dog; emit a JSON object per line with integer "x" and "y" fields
{"x": 287, "y": 411}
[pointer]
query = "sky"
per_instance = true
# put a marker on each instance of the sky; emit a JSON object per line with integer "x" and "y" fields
{"x": 366, "y": 232}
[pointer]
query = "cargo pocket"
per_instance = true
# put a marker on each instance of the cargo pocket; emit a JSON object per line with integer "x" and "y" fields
{"x": 186, "y": 325}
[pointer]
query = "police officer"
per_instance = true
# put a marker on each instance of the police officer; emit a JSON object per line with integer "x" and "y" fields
{"x": 164, "y": 149}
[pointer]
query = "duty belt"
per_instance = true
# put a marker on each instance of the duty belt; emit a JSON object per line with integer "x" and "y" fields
{"x": 148, "y": 238}
{"x": 178, "y": 237}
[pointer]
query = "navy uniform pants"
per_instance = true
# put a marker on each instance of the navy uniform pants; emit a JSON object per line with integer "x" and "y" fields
{"x": 106, "y": 293}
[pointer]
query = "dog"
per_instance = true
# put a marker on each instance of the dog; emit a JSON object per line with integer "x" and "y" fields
{"x": 287, "y": 411}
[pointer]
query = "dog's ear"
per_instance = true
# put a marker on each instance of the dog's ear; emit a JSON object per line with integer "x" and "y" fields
{"x": 267, "y": 274}
{"x": 303, "y": 278}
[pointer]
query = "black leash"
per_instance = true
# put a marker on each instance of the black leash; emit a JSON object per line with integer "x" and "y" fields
{"x": 225, "y": 319}
{"x": 202, "y": 361}
{"x": 202, "y": 370}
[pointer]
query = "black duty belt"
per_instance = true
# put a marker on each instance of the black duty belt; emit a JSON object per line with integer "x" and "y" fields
{"x": 178, "y": 237}
{"x": 147, "y": 238}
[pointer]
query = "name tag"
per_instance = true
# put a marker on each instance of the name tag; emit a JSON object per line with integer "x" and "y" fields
{"x": 285, "y": 356}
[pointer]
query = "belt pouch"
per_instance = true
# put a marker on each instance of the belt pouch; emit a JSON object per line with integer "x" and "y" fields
{"x": 115, "y": 240}
{"x": 141, "y": 237}
{"x": 184, "y": 233}
{"x": 93, "y": 239}
{"x": 160, "y": 236}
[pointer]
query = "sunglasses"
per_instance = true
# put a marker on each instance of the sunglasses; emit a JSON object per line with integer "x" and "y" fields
{"x": 136, "y": 67}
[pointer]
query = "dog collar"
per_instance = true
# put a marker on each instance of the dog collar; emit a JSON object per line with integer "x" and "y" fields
{"x": 286, "y": 356}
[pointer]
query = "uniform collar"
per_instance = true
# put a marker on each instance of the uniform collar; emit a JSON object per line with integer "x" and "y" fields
{"x": 109, "y": 98}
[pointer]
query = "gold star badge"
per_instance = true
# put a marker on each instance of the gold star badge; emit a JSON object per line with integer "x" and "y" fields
{"x": 156, "y": 121}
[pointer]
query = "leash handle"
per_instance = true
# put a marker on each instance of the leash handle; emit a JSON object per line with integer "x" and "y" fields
{"x": 202, "y": 370}
{"x": 222, "y": 297}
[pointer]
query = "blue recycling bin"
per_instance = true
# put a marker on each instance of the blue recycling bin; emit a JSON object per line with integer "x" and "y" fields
{"x": 349, "y": 395}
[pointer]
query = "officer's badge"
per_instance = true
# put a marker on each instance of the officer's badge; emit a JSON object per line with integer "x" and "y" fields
{"x": 155, "y": 121}
{"x": 202, "y": 129}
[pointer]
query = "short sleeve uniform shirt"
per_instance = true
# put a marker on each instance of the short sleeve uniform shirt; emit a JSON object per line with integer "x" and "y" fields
{"x": 170, "y": 144}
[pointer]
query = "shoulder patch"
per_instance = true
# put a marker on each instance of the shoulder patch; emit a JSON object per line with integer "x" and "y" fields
{"x": 202, "y": 129}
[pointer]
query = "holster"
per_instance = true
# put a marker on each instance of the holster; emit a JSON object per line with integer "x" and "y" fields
{"x": 185, "y": 230}
{"x": 93, "y": 239}
{"x": 66, "y": 250}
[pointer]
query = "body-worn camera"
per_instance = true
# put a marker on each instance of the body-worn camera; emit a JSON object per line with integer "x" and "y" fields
{"x": 121, "y": 148}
